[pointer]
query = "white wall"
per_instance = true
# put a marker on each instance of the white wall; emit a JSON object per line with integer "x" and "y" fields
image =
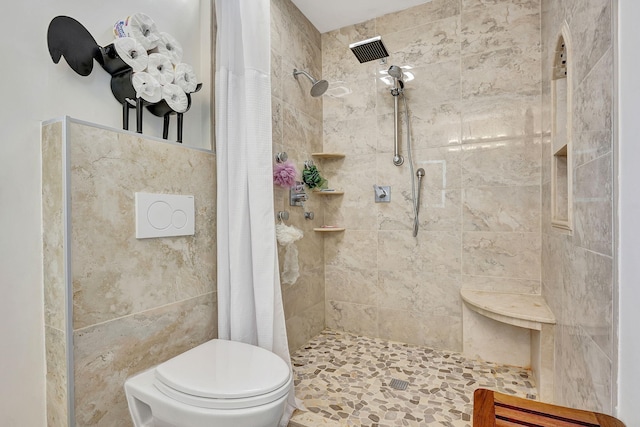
{"x": 629, "y": 207}
{"x": 36, "y": 89}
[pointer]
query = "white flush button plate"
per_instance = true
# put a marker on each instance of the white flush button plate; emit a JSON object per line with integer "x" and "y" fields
{"x": 164, "y": 215}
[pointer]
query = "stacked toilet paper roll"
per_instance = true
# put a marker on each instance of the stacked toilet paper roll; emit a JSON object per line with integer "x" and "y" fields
{"x": 161, "y": 68}
{"x": 175, "y": 98}
{"x": 156, "y": 60}
{"x": 140, "y": 27}
{"x": 185, "y": 77}
{"x": 170, "y": 47}
{"x": 132, "y": 53}
{"x": 147, "y": 87}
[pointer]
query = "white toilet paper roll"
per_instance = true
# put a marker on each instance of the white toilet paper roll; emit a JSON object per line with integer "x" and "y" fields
{"x": 170, "y": 47}
{"x": 175, "y": 97}
{"x": 147, "y": 87}
{"x": 132, "y": 53}
{"x": 185, "y": 77}
{"x": 161, "y": 68}
{"x": 140, "y": 27}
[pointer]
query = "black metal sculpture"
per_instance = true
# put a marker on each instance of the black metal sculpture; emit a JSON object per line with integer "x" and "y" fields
{"x": 69, "y": 38}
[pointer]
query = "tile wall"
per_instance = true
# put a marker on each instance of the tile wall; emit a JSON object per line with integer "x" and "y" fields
{"x": 135, "y": 302}
{"x": 297, "y": 130}
{"x": 578, "y": 268}
{"x": 474, "y": 95}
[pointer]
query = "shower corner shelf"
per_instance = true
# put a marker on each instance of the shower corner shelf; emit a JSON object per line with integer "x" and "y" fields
{"x": 328, "y": 193}
{"x": 328, "y": 229}
{"x": 328, "y": 155}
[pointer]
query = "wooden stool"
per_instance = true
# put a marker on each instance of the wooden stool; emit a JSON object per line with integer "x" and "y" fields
{"x": 493, "y": 409}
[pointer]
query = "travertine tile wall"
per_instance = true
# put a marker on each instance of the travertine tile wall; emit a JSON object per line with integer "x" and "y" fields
{"x": 578, "y": 269}
{"x": 135, "y": 302}
{"x": 297, "y": 130}
{"x": 475, "y": 106}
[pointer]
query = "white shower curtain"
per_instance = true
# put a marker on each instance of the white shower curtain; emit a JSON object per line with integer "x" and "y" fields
{"x": 249, "y": 299}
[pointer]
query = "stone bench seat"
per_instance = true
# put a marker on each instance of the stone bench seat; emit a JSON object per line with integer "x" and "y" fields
{"x": 524, "y": 310}
{"x": 511, "y": 328}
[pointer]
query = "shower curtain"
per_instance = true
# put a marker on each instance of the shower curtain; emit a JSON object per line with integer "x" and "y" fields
{"x": 250, "y": 306}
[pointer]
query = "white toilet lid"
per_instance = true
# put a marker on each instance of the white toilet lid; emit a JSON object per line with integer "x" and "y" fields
{"x": 221, "y": 369}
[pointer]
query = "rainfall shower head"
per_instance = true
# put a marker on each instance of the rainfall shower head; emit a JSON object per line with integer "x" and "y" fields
{"x": 319, "y": 86}
{"x": 369, "y": 50}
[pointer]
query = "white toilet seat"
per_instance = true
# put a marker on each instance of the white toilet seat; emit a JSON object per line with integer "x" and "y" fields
{"x": 221, "y": 374}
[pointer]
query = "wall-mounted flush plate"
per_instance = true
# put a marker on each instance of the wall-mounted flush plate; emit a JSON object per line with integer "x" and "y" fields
{"x": 164, "y": 215}
{"x": 382, "y": 193}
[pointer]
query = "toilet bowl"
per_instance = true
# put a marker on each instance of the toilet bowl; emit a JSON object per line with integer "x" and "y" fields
{"x": 219, "y": 383}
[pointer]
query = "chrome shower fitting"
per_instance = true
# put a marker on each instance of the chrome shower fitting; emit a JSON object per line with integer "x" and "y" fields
{"x": 319, "y": 86}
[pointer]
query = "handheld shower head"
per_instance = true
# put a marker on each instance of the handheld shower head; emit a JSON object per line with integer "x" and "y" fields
{"x": 420, "y": 173}
{"x": 396, "y": 72}
{"x": 319, "y": 86}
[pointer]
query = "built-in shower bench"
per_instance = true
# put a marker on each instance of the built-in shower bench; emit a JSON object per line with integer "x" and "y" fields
{"x": 511, "y": 328}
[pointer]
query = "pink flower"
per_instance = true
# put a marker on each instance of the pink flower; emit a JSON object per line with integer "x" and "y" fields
{"x": 284, "y": 174}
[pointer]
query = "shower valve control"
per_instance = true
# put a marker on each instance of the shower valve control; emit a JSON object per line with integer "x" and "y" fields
{"x": 382, "y": 193}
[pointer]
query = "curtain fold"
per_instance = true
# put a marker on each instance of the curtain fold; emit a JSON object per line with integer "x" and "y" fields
{"x": 250, "y": 305}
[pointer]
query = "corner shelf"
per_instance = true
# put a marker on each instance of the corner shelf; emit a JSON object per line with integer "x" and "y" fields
{"x": 328, "y": 155}
{"x": 328, "y": 193}
{"x": 329, "y": 229}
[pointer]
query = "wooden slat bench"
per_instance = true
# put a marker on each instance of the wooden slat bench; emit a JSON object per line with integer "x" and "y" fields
{"x": 493, "y": 409}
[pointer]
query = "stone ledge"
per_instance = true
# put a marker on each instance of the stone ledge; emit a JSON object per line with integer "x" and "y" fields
{"x": 524, "y": 310}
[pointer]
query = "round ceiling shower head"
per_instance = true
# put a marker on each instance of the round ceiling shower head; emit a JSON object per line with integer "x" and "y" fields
{"x": 319, "y": 86}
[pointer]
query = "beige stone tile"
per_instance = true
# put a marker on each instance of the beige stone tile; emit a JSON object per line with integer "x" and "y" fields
{"x": 307, "y": 292}
{"x": 430, "y": 251}
{"x": 590, "y": 22}
{"x": 593, "y": 98}
{"x": 433, "y": 42}
{"x": 306, "y": 325}
{"x": 418, "y": 15}
{"x": 355, "y": 318}
{"x": 501, "y": 284}
{"x": 356, "y": 100}
{"x": 436, "y": 293}
{"x": 301, "y": 130}
{"x": 56, "y": 360}
{"x": 351, "y": 137}
{"x": 502, "y": 209}
{"x": 115, "y": 274}
{"x": 296, "y": 91}
{"x": 499, "y": 26}
{"x": 587, "y": 373}
{"x": 277, "y": 121}
{"x": 343, "y": 250}
{"x": 588, "y": 146}
{"x": 53, "y": 249}
{"x": 499, "y": 117}
{"x": 501, "y": 163}
{"x": 298, "y": 22}
{"x": 276, "y": 74}
{"x": 338, "y": 61}
{"x": 501, "y": 254}
{"x": 593, "y": 205}
{"x": 512, "y": 70}
{"x": 592, "y": 285}
{"x": 432, "y": 330}
{"x": 355, "y": 209}
{"x": 352, "y": 285}
{"x": 108, "y": 353}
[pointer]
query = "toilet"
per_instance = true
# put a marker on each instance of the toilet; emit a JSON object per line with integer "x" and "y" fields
{"x": 219, "y": 383}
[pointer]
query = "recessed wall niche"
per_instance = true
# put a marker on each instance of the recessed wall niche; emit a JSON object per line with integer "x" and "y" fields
{"x": 561, "y": 177}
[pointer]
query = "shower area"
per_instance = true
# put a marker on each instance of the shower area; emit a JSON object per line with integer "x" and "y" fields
{"x": 478, "y": 86}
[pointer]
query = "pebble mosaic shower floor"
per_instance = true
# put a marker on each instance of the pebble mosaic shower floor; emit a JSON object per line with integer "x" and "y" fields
{"x": 346, "y": 378}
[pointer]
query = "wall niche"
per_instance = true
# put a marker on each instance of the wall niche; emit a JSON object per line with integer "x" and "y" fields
{"x": 561, "y": 176}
